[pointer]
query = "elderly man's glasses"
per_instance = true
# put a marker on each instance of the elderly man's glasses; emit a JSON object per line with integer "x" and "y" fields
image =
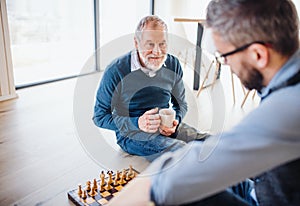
{"x": 221, "y": 58}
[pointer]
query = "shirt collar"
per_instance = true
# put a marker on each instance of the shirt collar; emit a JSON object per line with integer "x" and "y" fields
{"x": 136, "y": 65}
{"x": 288, "y": 70}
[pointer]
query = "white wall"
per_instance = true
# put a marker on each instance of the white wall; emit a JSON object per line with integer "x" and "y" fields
{"x": 170, "y": 9}
{"x": 194, "y": 9}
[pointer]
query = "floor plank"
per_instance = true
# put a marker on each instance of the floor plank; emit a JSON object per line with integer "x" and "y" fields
{"x": 41, "y": 157}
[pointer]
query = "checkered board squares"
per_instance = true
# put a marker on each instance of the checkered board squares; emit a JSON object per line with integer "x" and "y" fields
{"x": 100, "y": 198}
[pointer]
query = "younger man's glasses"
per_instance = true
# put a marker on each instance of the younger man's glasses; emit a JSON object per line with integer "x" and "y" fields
{"x": 221, "y": 58}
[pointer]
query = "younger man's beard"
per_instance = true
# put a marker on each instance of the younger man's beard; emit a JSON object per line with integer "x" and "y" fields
{"x": 254, "y": 79}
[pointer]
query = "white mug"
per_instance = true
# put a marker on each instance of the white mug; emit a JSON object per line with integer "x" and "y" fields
{"x": 167, "y": 116}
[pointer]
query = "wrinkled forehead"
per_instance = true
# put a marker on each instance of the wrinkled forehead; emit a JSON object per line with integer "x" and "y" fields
{"x": 153, "y": 35}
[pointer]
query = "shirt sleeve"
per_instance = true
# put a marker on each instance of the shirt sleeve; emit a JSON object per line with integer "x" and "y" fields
{"x": 268, "y": 137}
{"x": 106, "y": 100}
{"x": 178, "y": 92}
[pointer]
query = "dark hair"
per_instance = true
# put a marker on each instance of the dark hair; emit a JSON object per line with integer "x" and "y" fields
{"x": 243, "y": 21}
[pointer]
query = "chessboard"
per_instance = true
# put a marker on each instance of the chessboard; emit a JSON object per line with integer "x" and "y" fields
{"x": 99, "y": 192}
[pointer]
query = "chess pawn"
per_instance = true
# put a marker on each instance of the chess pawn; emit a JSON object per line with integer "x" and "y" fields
{"x": 108, "y": 187}
{"x": 95, "y": 184}
{"x": 79, "y": 191}
{"x": 101, "y": 188}
{"x": 84, "y": 196}
{"x": 116, "y": 181}
{"x": 117, "y": 176}
{"x": 133, "y": 174}
{"x": 130, "y": 170}
{"x": 122, "y": 181}
{"x": 128, "y": 177}
{"x": 93, "y": 192}
{"x": 88, "y": 186}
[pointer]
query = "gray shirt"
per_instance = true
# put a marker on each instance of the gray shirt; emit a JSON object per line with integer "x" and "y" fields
{"x": 268, "y": 137}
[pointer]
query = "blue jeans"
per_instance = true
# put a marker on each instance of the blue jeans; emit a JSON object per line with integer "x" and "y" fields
{"x": 238, "y": 195}
{"x": 153, "y": 145}
{"x": 244, "y": 190}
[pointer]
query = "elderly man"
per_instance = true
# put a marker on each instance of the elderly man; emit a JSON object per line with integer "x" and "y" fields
{"x": 135, "y": 86}
{"x": 259, "y": 40}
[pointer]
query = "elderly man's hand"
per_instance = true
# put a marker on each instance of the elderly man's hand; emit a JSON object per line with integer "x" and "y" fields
{"x": 150, "y": 121}
{"x": 168, "y": 131}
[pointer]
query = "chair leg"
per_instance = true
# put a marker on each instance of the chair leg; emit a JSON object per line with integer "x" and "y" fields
{"x": 218, "y": 67}
{"x": 205, "y": 78}
{"x": 185, "y": 59}
{"x": 246, "y": 96}
{"x": 254, "y": 93}
{"x": 243, "y": 88}
{"x": 232, "y": 84}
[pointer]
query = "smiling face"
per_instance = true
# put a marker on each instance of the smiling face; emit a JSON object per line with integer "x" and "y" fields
{"x": 152, "y": 47}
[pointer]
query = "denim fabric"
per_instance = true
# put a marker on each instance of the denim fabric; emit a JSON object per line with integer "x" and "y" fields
{"x": 225, "y": 198}
{"x": 244, "y": 190}
{"x": 152, "y": 146}
{"x": 238, "y": 195}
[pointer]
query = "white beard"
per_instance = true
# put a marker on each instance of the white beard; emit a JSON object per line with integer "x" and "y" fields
{"x": 150, "y": 66}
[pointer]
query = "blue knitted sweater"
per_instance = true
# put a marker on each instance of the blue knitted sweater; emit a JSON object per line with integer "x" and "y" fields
{"x": 124, "y": 95}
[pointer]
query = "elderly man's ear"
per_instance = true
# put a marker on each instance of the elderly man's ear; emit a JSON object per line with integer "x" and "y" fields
{"x": 135, "y": 42}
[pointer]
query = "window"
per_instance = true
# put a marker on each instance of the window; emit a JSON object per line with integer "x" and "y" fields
{"x": 119, "y": 18}
{"x": 50, "y": 39}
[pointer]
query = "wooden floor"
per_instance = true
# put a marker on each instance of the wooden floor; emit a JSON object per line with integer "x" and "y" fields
{"x": 41, "y": 157}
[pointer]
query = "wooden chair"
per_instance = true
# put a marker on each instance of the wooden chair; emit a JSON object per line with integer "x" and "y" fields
{"x": 217, "y": 66}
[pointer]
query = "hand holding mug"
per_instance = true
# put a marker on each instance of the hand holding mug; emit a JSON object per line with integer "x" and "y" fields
{"x": 150, "y": 121}
{"x": 168, "y": 122}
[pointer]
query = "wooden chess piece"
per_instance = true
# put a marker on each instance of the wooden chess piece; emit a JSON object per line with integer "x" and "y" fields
{"x": 116, "y": 181}
{"x": 79, "y": 191}
{"x": 88, "y": 186}
{"x": 93, "y": 192}
{"x": 109, "y": 177}
{"x": 117, "y": 176}
{"x": 102, "y": 188}
{"x": 84, "y": 196}
{"x": 133, "y": 174}
{"x": 95, "y": 184}
{"x": 122, "y": 178}
{"x": 102, "y": 177}
{"x": 108, "y": 187}
{"x": 128, "y": 177}
{"x": 130, "y": 170}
